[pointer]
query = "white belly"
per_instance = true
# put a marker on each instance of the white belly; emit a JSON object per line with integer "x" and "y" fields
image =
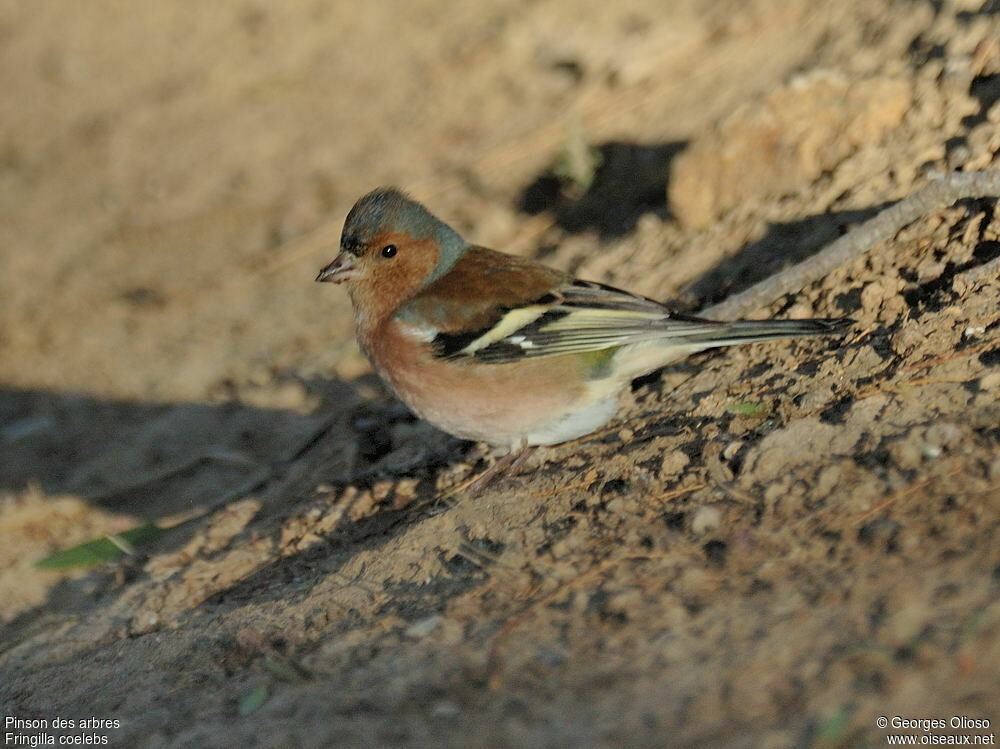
{"x": 576, "y": 424}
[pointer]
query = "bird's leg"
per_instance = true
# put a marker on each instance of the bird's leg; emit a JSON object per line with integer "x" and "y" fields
{"x": 523, "y": 453}
{"x": 507, "y": 466}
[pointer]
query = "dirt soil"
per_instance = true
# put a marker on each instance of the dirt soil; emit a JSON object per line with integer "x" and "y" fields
{"x": 773, "y": 546}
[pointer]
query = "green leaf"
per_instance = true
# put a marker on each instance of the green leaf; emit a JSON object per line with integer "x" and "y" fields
{"x": 833, "y": 729}
{"x": 577, "y": 162}
{"x": 101, "y": 550}
{"x": 253, "y": 700}
{"x": 747, "y": 409}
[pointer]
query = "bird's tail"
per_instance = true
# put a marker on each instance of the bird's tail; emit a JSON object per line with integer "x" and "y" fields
{"x": 748, "y": 331}
{"x": 687, "y": 335}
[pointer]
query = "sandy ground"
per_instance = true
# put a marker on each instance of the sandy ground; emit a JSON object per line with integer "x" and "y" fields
{"x": 774, "y": 545}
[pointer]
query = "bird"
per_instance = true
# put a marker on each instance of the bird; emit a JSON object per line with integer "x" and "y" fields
{"x": 502, "y": 349}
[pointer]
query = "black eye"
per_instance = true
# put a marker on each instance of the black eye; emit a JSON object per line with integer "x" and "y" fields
{"x": 389, "y": 250}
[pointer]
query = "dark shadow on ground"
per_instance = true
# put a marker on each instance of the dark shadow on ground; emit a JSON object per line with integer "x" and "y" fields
{"x": 782, "y": 246}
{"x": 158, "y": 460}
{"x": 786, "y": 244}
{"x": 630, "y": 180}
{"x": 154, "y": 459}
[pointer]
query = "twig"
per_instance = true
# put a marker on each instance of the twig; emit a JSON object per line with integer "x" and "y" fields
{"x": 899, "y": 387}
{"x": 940, "y": 193}
{"x": 911, "y": 489}
{"x": 561, "y": 489}
{"x": 963, "y": 353}
{"x": 675, "y": 493}
{"x": 230, "y": 457}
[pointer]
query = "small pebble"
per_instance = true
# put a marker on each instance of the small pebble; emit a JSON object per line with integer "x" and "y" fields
{"x": 423, "y": 627}
{"x": 673, "y": 463}
{"x": 816, "y": 399}
{"x": 445, "y": 709}
{"x": 994, "y": 470}
{"x": 381, "y": 490}
{"x": 801, "y": 311}
{"x": 732, "y": 449}
{"x": 990, "y": 381}
{"x": 706, "y": 519}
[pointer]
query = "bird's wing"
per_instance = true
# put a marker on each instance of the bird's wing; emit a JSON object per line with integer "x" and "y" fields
{"x": 578, "y": 317}
{"x": 495, "y": 308}
{"x": 477, "y": 291}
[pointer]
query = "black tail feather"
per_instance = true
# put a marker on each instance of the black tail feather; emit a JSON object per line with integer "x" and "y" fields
{"x": 746, "y": 331}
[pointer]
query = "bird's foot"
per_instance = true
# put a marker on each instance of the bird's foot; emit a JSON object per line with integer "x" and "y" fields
{"x": 505, "y": 467}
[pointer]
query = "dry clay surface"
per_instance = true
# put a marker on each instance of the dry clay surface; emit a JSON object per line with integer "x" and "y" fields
{"x": 772, "y": 546}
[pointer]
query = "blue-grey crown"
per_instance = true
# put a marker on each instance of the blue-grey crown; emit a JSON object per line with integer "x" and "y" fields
{"x": 388, "y": 209}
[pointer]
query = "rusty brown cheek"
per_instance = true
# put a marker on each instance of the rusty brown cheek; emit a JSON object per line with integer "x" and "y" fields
{"x": 384, "y": 284}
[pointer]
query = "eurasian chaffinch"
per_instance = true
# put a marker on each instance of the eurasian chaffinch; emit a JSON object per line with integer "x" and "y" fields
{"x": 501, "y": 349}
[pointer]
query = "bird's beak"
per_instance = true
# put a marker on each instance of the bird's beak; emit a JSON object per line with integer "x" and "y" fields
{"x": 340, "y": 270}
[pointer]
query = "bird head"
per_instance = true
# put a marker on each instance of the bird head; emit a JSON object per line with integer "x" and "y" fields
{"x": 392, "y": 247}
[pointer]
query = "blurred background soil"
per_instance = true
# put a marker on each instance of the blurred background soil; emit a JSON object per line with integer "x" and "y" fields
{"x": 774, "y": 546}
